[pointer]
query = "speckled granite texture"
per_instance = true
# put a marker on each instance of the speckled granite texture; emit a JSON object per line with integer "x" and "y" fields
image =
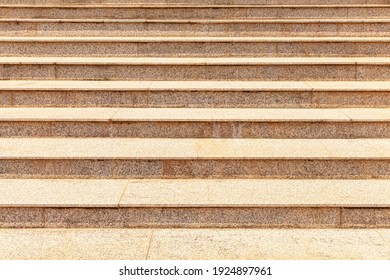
{"x": 254, "y": 129}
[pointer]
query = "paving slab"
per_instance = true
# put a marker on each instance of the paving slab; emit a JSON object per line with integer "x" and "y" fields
{"x": 23, "y": 85}
{"x": 194, "y": 60}
{"x": 271, "y": 244}
{"x": 165, "y": 148}
{"x": 237, "y": 114}
{"x": 61, "y": 193}
{"x": 74, "y": 244}
{"x": 186, "y": 114}
{"x": 57, "y": 114}
{"x": 256, "y": 193}
{"x": 195, "y": 244}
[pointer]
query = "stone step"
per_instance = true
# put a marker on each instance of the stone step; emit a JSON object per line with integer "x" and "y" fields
{"x": 194, "y": 244}
{"x": 195, "y": 122}
{"x": 194, "y": 203}
{"x": 195, "y": 2}
{"x": 133, "y": 11}
{"x": 189, "y": 69}
{"x": 192, "y": 28}
{"x": 217, "y": 94}
{"x": 195, "y": 46}
{"x": 194, "y": 158}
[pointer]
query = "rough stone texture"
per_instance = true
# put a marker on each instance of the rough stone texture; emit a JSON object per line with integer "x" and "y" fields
{"x": 194, "y": 99}
{"x": 22, "y": 217}
{"x": 197, "y": 48}
{"x": 360, "y": 217}
{"x": 193, "y": 12}
{"x": 270, "y": 27}
{"x": 275, "y": 130}
{"x": 297, "y": 169}
{"x": 315, "y": 72}
{"x": 122, "y": 56}
{"x": 160, "y": 217}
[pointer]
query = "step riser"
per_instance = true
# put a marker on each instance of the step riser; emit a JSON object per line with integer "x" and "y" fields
{"x": 367, "y": 29}
{"x": 284, "y": 217}
{"x": 197, "y": 49}
{"x": 194, "y": 13}
{"x": 197, "y": 2}
{"x": 197, "y": 129}
{"x": 289, "y": 72}
{"x": 202, "y": 168}
{"x": 195, "y": 99}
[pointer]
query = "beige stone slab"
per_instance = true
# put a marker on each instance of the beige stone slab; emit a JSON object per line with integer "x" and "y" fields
{"x": 152, "y": 85}
{"x": 73, "y": 85}
{"x": 349, "y": 85}
{"x": 194, "y": 60}
{"x": 171, "y": 244}
{"x": 164, "y": 148}
{"x": 227, "y": 114}
{"x": 291, "y": 60}
{"x": 367, "y": 114}
{"x": 230, "y": 85}
{"x": 256, "y": 193}
{"x": 203, "y": 21}
{"x": 170, "y": 114}
{"x": 356, "y": 148}
{"x": 56, "y": 114}
{"x": 272, "y": 244}
{"x": 61, "y": 193}
{"x": 103, "y": 60}
{"x": 74, "y": 244}
{"x": 196, "y": 85}
{"x": 192, "y": 39}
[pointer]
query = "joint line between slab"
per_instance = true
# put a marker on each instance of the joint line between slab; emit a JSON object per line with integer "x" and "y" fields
{"x": 110, "y": 119}
{"x": 345, "y": 114}
{"x": 311, "y": 87}
{"x": 150, "y": 244}
{"x": 123, "y": 193}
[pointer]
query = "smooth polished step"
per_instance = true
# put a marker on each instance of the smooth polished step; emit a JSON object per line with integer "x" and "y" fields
{"x": 194, "y": 244}
{"x": 191, "y": 28}
{"x": 195, "y": 46}
{"x": 139, "y": 11}
{"x": 212, "y": 94}
{"x": 194, "y": 203}
{"x": 187, "y": 69}
{"x": 195, "y": 122}
{"x": 194, "y": 158}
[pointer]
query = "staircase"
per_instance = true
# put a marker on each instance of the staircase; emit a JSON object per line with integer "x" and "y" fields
{"x": 225, "y": 129}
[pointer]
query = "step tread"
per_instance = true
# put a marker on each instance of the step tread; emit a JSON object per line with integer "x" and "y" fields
{"x": 38, "y": 85}
{"x": 193, "y": 193}
{"x": 179, "y": 5}
{"x": 201, "y": 244}
{"x": 194, "y": 114}
{"x": 185, "y": 149}
{"x": 201, "y": 21}
{"x": 195, "y": 60}
{"x": 210, "y": 39}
